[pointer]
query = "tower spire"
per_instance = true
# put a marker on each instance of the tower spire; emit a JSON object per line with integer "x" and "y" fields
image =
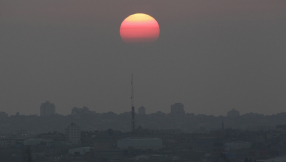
{"x": 132, "y": 106}
{"x": 222, "y": 126}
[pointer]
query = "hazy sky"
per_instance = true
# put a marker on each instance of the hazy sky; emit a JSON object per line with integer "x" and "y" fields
{"x": 211, "y": 56}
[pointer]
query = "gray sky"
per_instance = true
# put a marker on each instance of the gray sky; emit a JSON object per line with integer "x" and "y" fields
{"x": 211, "y": 56}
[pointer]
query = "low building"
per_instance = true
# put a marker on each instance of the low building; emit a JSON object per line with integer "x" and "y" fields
{"x": 275, "y": 159}
{"x": 237, "y": 145}
{"x": 165, "y": 131}
{"x": 56, "y": 136}
{"x": 102, "y": 145}
{"x": 7, "y": 142}
{"x": 281, "y": 128}
{"x": 140, "y": 143}
{"x": 79, "y": 151}
{"x": 34, "y": 142}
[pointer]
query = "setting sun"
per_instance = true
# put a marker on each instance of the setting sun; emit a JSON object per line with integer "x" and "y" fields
{"x": 139, "y": 28}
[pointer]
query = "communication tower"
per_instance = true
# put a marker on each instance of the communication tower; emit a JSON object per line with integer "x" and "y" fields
{"x": 132, "y": 106}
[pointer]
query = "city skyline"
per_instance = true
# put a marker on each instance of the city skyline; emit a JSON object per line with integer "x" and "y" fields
{"x": 175, "y": 108}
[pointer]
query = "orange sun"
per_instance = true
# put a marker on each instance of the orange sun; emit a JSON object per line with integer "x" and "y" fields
{"x": 139, "y": 28}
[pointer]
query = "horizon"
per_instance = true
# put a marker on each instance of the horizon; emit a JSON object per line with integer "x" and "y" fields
{"x": 136, "y": 112}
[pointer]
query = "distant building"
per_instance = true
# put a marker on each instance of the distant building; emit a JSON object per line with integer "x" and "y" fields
{"x": 140, "y": 143}
{"x": 237, "y": 145}
{"x": 102, "y": 145}
{"x": 56, "y": 136}
{"x": 281, "y": 127}
{"x": 177, "y": 109}
{"x": 47, "y": 109}
{"x": 79, "y": 151}
{"x": 10, "y": 142}
{"x": 73, "y": 133}
{"x": 3, "y": 114}
{"x": 77, "y": 111}
{"x": 274, "y": 159}
{"x": 233, "y": 113}
{"x": 141, "y": 110}
{"x": 165, "y": 131}
{"x": 34, "y": 142}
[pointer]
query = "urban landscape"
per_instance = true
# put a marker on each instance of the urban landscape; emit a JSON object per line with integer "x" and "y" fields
{"x": 142, "y": 81}
{"x": 85, "y": 135}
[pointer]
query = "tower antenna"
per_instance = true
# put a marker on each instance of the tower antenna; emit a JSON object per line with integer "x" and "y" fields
{"x": 132, "y": 106}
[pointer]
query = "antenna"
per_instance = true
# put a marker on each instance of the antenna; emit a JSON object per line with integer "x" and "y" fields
{"x": 222, "y": 126}
{"x": 132, "y": 105}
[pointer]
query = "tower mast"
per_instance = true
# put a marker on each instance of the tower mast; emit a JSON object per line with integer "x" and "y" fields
{"x": 132, "y": 106}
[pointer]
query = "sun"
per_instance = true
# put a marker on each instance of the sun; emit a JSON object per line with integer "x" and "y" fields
{"x": 139, "y": 28}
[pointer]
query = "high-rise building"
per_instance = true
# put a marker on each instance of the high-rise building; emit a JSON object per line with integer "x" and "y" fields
{"x": 141, "y": 110}
{"x": 47, "y": 109}
{"x": 233, "y": 113}
{"x": 177, "y": 109}
{"x": 73, "y": 133}
{"x": 77, "y": 111}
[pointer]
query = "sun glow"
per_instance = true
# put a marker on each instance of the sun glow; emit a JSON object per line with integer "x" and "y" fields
{"x": 139, "y": 28}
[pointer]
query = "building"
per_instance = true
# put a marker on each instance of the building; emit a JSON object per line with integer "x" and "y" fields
{"x": 177, "y": 109}
{"x": 237, "y": 145}
{"x": 102, "y": 145}
{"x": 140, "y": 143}
{"x": 73, "y": 133}
{"x": 3, "y": 115}
{"x": 275, "y": 159}
{"x": 56, "y": 136}
{"x": 34, "y": 142}
{"x": 141, "y": 110}
{"x": 233, "y": 113}
{"x": 80, "y": 150}
{"x": 47, "y": 109}
{"x": 10, "y": 142}
{"x": 165, "y": 131}
{"x": 77, "y": 111}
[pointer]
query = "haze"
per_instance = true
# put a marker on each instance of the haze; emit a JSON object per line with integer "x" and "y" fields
{"x": 212, "y": 56}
